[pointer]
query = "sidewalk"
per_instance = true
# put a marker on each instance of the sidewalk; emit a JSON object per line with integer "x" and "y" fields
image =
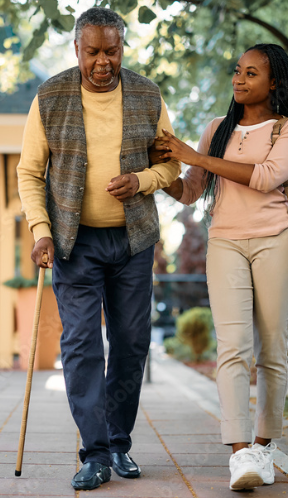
{"x": 176, "y": 440}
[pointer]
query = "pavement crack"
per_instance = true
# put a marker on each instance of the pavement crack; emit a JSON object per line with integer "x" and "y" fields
{"x": 169, "y": 453}
{"x": 9, "y": 416}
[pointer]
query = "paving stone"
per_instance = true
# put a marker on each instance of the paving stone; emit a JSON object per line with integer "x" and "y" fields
{"x": 157, "y": 459}
{"x": 221, "y": 489}
{"x": 154, "y": 483}
{"x": 141, "y": 438}
{"x": 209, "y": 474}
{"x": 188, "y": 448}
{"x": 191, "y": 427}
{"x": 153, "y": 448}
{"x": 48, "y": 442}
{"x": 192, "y": 438}
{"x": 40, "y": 427}
{"x": 190, "y": 434}
{"x": 201, "y": 459}
{"x": 39, "y": 471}
{"x": 155, "y": 415}
{"x": 44, "y": 457}
{"x": 39, "y": 487}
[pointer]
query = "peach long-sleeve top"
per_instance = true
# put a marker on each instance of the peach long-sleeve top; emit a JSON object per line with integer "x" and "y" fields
{"x": 244, "y": 212}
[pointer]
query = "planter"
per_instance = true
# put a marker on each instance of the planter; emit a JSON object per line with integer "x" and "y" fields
{"x": 50, "y": 328}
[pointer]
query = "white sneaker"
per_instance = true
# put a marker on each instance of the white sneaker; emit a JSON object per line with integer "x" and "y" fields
{"x": 246, "y": 469}
{"x": 266, "y": 458}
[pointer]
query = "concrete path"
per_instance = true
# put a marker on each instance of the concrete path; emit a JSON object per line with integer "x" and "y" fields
{"x": 176, "y": 440}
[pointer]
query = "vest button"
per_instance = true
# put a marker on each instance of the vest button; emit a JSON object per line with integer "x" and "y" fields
{"x": 85, "y": 164}
{"x": 81, "y": 188}
{"x": 123, "y": 157}
{"x": 64, "y": 257}
{"x": 72, "y": 238}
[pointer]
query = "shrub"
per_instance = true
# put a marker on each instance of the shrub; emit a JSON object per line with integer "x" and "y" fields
{"x": 194, "y": 328}
{"x": 177, "y": 349}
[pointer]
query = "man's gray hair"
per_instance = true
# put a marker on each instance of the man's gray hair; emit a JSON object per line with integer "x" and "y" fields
{"x": 98, "y": 16}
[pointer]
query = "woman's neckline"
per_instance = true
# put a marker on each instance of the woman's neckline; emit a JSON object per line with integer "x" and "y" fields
{"x": 257, "y": 125}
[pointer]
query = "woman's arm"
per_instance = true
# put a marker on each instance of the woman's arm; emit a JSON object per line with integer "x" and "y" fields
{"x": 236, "y": 172}
{"x": 267, "y": 176}
{"x": 176, "y": 189}
{"x": 191, "y": 187}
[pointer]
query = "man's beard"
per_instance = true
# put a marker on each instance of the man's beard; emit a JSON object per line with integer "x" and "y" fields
{"x": 102, "y": 83}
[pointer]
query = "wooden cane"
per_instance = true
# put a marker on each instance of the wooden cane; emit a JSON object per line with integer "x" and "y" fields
{"x": 30, "y": 367}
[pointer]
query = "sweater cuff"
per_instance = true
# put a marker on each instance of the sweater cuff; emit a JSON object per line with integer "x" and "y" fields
{"x": 185, "y": 197}
{"x": 256, "y": 175}
{"x": 145, "y": 180}
{"x": 41, "y": 230}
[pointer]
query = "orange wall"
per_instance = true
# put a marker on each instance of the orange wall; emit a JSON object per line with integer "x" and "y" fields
{"x": 11, "y": 132}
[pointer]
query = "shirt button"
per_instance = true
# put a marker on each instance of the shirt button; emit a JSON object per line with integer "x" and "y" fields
{"x": 240, "y": 148}
{"x": 247, "y": 132}
{"x": 64, "y": 257}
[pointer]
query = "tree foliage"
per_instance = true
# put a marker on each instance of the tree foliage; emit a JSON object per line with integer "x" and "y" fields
{"x": 190, "y": 54}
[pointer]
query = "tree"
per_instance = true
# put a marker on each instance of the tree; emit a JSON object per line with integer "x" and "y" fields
{"x": 191, "y": 254}
{"x": 191, "y": 52}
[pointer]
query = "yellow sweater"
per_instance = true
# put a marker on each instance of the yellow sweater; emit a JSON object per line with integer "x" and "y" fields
{"x": 103, "y": 121}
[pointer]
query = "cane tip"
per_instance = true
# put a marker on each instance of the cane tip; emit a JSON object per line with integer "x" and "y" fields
{"x": 17, "y": 473}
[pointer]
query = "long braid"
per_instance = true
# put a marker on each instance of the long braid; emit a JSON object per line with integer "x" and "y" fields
{"x": 218, "y": 146}
{"x": 279, "y": 70}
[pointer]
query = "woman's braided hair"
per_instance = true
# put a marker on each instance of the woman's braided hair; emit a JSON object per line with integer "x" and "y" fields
{"x": 278, "y": 60}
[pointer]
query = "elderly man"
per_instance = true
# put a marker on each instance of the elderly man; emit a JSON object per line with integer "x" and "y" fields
{"x": 95, "y": 208}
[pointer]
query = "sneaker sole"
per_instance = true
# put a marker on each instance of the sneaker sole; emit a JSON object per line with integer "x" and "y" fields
{"x": 247, "y": 481}
{"x": 269, "y": 481}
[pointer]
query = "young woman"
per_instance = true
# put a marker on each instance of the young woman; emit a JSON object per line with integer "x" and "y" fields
{"x": 247, "y": 259}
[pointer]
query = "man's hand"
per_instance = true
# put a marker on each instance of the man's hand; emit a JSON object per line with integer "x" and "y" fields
{"x": 123, "y": 187}
{"x": 43, "y": 246}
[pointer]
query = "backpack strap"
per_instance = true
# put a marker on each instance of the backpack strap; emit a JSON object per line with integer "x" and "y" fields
{"x": 277, "y": 127}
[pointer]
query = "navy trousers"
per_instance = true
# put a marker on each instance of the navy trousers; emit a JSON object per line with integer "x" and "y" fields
{"x": 101, "y": 267}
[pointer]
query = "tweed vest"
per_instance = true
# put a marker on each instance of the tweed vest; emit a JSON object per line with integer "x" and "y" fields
{"x": 61, "y": 113}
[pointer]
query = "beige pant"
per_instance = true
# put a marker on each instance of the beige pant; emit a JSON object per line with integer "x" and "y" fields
{"x": 249, "y": 279}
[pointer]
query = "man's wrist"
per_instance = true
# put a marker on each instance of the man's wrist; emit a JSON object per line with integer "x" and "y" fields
{"x": 40, "y": 231}
{"x": 138, "y": 183}
{"x": 144, "y": 179}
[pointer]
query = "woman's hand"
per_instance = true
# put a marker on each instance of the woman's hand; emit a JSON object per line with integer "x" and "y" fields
{"x": 177, "y": 149}
{"x": 156, "y": 150}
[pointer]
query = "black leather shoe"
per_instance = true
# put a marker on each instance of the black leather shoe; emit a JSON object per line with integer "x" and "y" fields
{"x": 91, "y": 476}
{"x": 124, "y": 466}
